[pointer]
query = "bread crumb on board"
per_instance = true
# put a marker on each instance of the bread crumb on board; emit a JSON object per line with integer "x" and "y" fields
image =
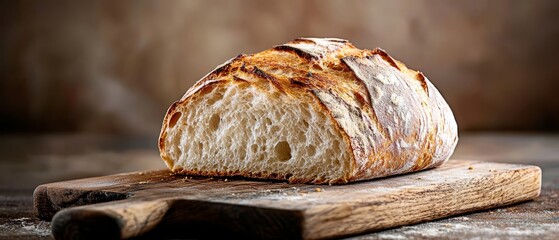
{"x": 470, "y": 168}
{"x": 318, "y": 189}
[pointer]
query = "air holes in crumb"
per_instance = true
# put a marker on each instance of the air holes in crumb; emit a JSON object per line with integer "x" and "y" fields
{"x": 174, "y": 119}
{"x": 338, "y": 162}
{"x": 242, "y": 153}
{"x": 301, "y": 136}
{"x": 214, "y": 122}
{"x": 267, "y": 121}
{"x": 336, "y": 143}
{"x": 283, "y": 151}
{"x": 312, "y": 150}
{"x": 216, "y": 97}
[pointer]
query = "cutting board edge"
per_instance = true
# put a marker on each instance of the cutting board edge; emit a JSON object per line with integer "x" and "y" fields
{"x": 43, "y": 200}
{"x": 530, "y": 172}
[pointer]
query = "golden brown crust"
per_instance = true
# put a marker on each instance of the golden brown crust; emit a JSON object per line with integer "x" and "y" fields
{"x": 396, "y": 120}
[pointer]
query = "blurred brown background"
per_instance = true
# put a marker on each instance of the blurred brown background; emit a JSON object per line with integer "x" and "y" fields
{"x": 115, "y": 66}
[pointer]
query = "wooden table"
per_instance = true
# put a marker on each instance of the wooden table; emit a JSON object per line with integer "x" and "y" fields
{"x": 27, "y": 161}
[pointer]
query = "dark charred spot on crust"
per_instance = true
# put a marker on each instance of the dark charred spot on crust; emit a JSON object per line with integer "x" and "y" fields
{"x": 309, "y": 74}
{"x": 216, "y": 75}
{"x": 234, "y": 69}
{"x": 421, "y": 78}
{"x": 217, "y": 72}
{"x": 221, "y": 69}
{"x": 238, "y": 79}
{"x": 302, "y": 40}
{"x": 224, "y": 69}
{"x": 240, "y": 56}
{"x": 386, "y": 57}
{"x": 258, "y": 72}
{"x": 261, "y": 74}
{"x": 305, "y": 55}
{"x": 298, "y": 82}
{"x": 338, "y": 40}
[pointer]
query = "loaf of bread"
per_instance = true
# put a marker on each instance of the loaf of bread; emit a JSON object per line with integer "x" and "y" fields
{"x": 313, "y": 110}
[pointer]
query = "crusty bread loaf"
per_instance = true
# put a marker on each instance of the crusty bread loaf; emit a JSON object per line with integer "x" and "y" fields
{"x": 314, "y": 110}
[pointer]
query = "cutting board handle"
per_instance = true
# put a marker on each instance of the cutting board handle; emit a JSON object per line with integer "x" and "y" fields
{"x": 178, "y": 216}
{"x": 115, "y": 220}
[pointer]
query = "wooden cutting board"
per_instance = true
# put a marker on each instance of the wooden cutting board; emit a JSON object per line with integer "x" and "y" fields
{"x": 134, "y": 204}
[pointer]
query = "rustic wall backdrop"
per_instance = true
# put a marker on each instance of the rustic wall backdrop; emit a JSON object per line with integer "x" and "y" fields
{"x": 115, "y": 66}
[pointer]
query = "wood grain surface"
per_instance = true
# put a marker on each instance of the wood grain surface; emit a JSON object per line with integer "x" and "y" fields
{"x": 134, "y": 204}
